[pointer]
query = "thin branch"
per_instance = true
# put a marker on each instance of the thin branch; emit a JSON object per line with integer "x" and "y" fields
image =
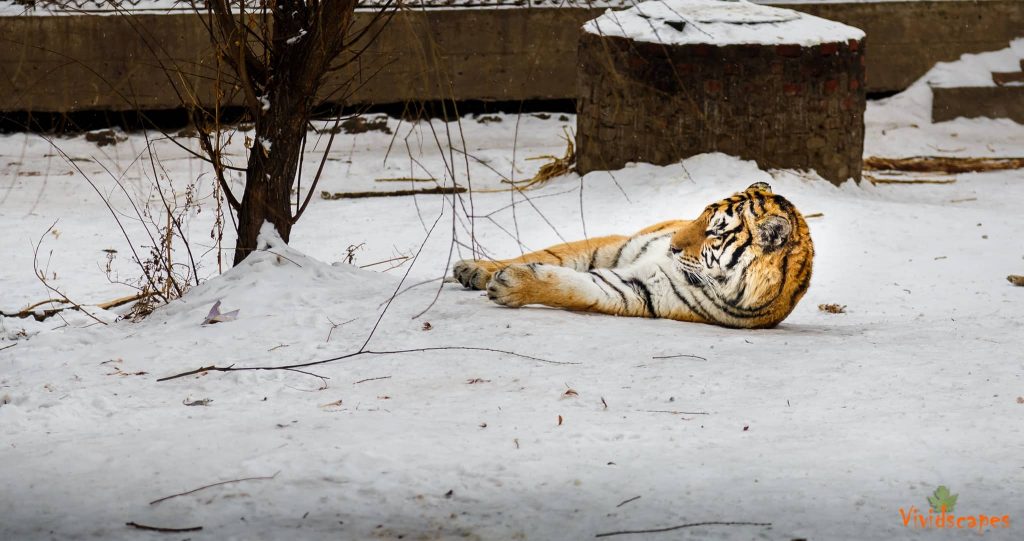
{"x": 681, "y": 526}
{"x": 624, "y": 502}
{"x": 677, "y": 356}
{"x": 163, "y": 530}
{"x": 165, "y": 498}
{"x": 113, "y": 213}
{"x": 319, "y": 171}
{"x": 40, "y": 274}
{"x": 232, "y": 368}
{"x": 371, "y": 379}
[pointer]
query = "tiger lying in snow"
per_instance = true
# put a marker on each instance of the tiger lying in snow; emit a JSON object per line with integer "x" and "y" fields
{"x": 744, "y": 262}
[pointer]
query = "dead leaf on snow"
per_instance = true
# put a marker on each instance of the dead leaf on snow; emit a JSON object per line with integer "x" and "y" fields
{"x": 832, "y": 308}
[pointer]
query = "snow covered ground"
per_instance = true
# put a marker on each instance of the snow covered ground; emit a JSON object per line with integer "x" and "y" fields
{"x": 824, "y": 427}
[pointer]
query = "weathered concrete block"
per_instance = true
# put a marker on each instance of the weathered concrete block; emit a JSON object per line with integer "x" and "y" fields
{"x": 796, "y": 105}
{"x": 982, "y": 101}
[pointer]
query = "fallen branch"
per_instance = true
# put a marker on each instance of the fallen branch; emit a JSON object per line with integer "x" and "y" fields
{"x": 8, "y": 347}
{"x": 35, "y": 305}
{"x": 441, "y": 190}
{"x": 681, "y": 526}
{"x": 43, "y": 315}
{"x": 876, "y": 180}
{"x": 292, "y": 367}
{"x": 944, "y": 164}
{"x": 164, "y": 530}
{"x": 204, "y": 487}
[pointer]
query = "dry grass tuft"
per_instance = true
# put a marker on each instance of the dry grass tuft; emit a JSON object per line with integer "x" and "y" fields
{"x": 556, "y": 167}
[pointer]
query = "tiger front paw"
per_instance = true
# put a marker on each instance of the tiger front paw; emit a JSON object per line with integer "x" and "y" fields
{"x": 472, "y": 274}
{"x": 515, "y": 286}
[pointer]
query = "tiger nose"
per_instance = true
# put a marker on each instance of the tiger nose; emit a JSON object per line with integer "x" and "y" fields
{"x": 674, "y": 251}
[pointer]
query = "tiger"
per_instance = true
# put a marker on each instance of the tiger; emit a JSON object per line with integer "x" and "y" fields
{"x": 745, "y": 262}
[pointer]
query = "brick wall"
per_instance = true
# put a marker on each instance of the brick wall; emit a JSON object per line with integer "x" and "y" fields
{"x": 784, "y": 106}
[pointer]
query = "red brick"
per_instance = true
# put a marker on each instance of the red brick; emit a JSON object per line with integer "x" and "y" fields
{"x": 788, "y": 51}
{"x": 751, "y": 50}
{"x": 792, "y": 89}
{"x": 712, "y": 86}
{"x": 828, "y": 49}
{"x": 683, "y": 69}
{"x": 854, "y": 84}
{"x": 702, "y": 49}
{"x": 831, "y": 86}
{"x": 854, "y": 44}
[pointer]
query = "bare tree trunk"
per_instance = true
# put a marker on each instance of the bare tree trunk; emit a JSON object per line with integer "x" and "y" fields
{"x": 280, "y": 65}
{"x": 273, "y": 161}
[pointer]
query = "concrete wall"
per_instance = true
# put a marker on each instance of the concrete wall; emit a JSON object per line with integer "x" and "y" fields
{"x": 72, "y": 63}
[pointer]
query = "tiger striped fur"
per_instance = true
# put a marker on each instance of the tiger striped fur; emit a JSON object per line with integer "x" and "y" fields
{"x": 745, "y": 262}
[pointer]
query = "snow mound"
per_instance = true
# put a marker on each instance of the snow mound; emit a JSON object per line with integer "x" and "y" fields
{"x": 277, "y": 282}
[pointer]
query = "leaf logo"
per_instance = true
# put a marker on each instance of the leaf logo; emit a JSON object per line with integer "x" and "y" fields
{"x": 942, "y": 501}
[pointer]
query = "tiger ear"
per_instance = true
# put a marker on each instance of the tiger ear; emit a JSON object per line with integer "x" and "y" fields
{"x": 762, "y": 186}
{"x": 773, "y": 232}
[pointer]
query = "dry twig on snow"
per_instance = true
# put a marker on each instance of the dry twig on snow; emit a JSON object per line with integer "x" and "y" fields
{"x": 165, "y": 498}
{"x": 681, "y": 526}
{"x": 162, "y": 530}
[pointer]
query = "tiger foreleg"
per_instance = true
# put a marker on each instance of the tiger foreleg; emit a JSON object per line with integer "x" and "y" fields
{"x": 601, "y": 290}
{"x": 579, "y": 255}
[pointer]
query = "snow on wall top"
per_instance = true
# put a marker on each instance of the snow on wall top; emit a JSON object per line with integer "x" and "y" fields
{"x": 718, "y": 22}
{"x": 976, "y": 69}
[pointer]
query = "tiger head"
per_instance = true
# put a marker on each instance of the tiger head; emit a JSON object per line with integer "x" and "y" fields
{"x": 750, "y": 255}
